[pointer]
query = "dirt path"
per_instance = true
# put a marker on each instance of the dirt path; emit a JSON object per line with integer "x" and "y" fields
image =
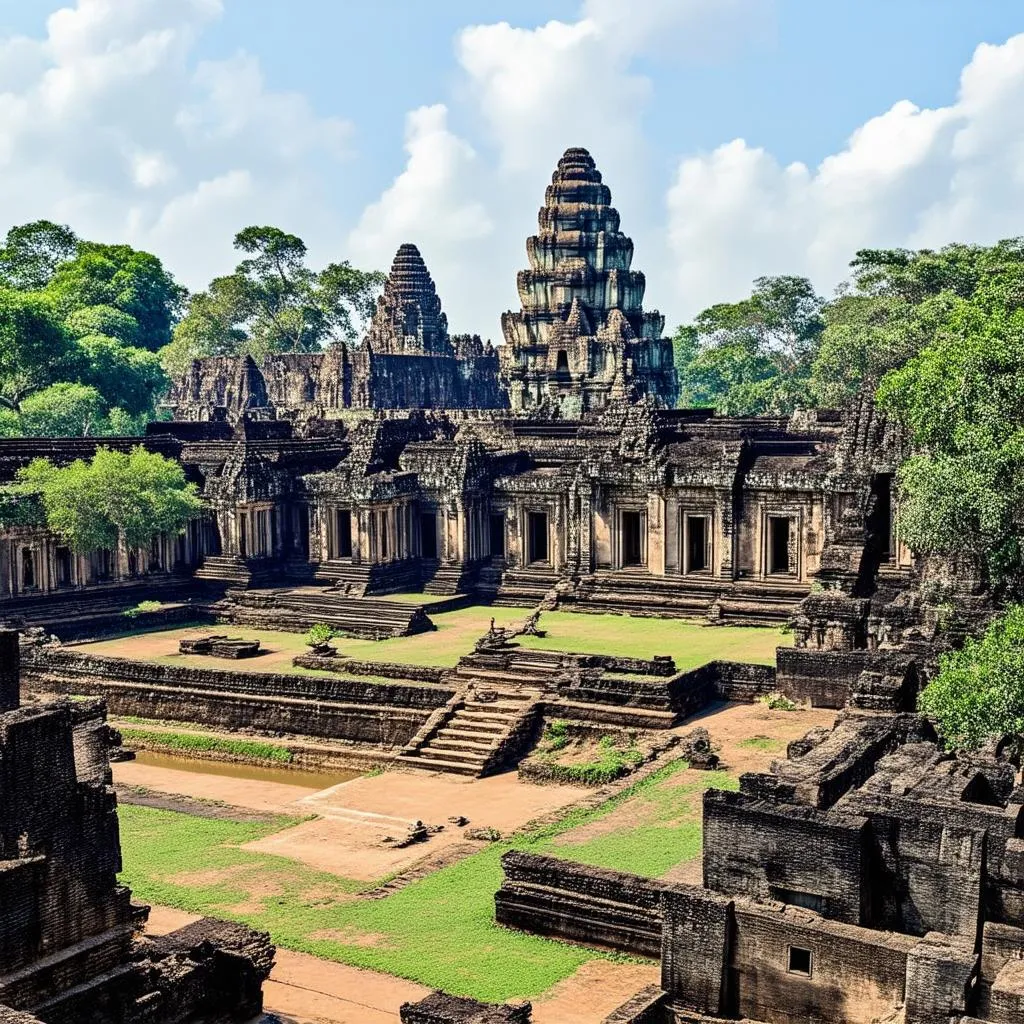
{"x": 593, "y": 992}
{"x": 355, "y": 817}
{"x": 306, "y": 990}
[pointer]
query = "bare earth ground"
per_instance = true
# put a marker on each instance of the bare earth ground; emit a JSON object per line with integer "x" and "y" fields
{"x": 352, "y": 817}
{"x": 306, "y": 990}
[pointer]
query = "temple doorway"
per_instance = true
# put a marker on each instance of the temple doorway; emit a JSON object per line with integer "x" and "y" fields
{"x": 343, "y": 529}
{"x": 537, "y": 537}
{"x": 698, "y": 543}
{"x": 632, "y": 538}
{"x": 28, "y": 569}
{"x": 779, "y": 529}
{"x": 562, "y": 363}
{"x": 63, "y": 560}
{"x": 428, "y": 534}
{"x": 302, "y": 531}
{"x": 497, "y": 529}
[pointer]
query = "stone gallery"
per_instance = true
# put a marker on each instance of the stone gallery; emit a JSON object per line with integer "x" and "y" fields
{"x": 870, "y": 876}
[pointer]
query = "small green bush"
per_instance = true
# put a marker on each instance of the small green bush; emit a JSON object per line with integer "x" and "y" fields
{"x": 142, "y": 608}
{"x": 777, "y": 702}
{"x": 556, "y": 736}
{"x": 612, "y": 763}
{"x": 319, "y": 634}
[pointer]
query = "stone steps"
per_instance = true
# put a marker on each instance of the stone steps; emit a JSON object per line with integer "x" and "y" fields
{"x": 524, "y": 588}
{"x": 469, "y": 740}
{"x": 296, "y": 610}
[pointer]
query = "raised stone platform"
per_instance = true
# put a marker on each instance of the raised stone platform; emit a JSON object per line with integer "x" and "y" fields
{"x": 296, "y": 609}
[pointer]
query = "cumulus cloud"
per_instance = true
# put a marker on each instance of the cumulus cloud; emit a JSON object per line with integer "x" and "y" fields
{"x": 109, "y": 123}
{"x": 531, "y": 93}
{"x": 437, "y": 201}
{"x": 909, "y": 177}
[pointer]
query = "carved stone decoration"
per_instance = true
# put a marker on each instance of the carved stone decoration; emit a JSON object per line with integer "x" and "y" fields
{"x": 582, "y": 338}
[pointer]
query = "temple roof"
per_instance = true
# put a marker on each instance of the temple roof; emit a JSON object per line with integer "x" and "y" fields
{"x": 408, "y": 318}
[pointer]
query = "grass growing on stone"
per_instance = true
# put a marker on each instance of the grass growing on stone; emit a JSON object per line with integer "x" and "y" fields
{"x": 191, "y": 742}
{"x": 439, "y": 931}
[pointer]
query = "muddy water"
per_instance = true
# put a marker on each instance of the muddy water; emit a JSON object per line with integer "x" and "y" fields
{"x": 257, "y": 773}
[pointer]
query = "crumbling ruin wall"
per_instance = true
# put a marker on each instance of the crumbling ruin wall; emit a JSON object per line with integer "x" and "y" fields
{"x": 787, "y": 853}
{"x": 441, "y": 1008}
{"x": 549, "y": 896}
{"x": 334, "y": 707}
{"x": 68, "y": 947}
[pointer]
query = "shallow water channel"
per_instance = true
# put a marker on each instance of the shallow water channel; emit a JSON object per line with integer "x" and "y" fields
{"x": 236, "y": 770}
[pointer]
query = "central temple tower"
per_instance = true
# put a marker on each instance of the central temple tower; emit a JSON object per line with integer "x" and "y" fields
{"x": 582, "y": 338}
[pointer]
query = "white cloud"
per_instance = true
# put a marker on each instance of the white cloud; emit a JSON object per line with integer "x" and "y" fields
{"x": 910, "y": 177}
{"x": 435, "y": 202}
{"x": 532, "y": 93}
{"x": 109, "y": 123}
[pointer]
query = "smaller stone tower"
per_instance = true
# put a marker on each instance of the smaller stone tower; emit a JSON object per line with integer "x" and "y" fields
{"x": 408, "y": 318}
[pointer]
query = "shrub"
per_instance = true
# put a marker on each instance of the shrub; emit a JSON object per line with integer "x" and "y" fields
{"x": 143, "y": 608}
{"x": 319, "y": 634}
{"x": 979, "y": 690}
{"x": 777, "y": 702}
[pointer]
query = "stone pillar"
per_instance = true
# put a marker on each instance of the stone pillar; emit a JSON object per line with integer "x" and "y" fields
{"x": 655, "y": 534}
{"x": 9, "y": 669}
{"x": 695, "y": 949}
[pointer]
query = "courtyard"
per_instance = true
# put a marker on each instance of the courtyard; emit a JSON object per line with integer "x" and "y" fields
{"x": 690, "y": 642}
{"x": 309, "y": 867}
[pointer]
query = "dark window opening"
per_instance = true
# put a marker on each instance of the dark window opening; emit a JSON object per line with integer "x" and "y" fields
{"x": 880, "y": 520}
{"x": 344, "y": 527}
{"x": 105, "y": 564}
{"x": 243, "y": 529}
{"x": 497, "y": 524}
{"x": 537, "y": 539}
{"x": 28, "y": 569}
{"x": 302, "y": 531}
{"x": 428, "y": 534}
{"x": 697, "y": 544}
{"x": 383, "y": 535}
{"x": 632, "y": 538}
{"x": 154, "y": 554}
{"x": 133, "y": 563}
{"x": 796, "y": 898}
{"x": 562, "y": 364}
{"x": 799, "y": 961}
{"x": 778, "y": 544}
{"x": 63, "y": 556}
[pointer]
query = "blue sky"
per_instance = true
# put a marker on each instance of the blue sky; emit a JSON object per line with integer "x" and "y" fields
{"x": 723, "y": 127}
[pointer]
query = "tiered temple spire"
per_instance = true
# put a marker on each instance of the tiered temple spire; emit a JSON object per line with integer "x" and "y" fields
{"x": 582, "y": 325}
{"x": 408, "y": 318}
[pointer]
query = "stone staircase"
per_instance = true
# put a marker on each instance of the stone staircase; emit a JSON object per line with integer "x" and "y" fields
{"x": 235, "y": 571}
{"x": 474, "y": 737}
{"x": 363, "y": 578}
{"x": 447, "y": 580}
{"x": 296, "y": 609}
{"x": 524, "y": 588}
{"x": 638, "y": 592}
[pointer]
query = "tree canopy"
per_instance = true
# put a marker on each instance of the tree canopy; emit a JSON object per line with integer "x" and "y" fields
{"x": 115, "y": 497}
{"x": 273, "y": 302}
{"x": 978, "y": 693}
{"x": 755, "y": 355}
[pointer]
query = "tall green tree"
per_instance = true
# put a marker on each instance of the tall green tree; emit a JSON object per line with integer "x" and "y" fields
{"x": 122, "y": 278}
{"x": 755, "y": 355}
{"x": 273, "y": 302}
{"x": 31, "y": 254}
{"x": 35, "y": 349}
{"x": 961, "y": 398}
{"x": 115, "y": 497}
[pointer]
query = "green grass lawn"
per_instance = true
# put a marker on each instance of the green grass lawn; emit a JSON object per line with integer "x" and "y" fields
{"x": 688, "y": 641}
{"x": 439, "y": 931}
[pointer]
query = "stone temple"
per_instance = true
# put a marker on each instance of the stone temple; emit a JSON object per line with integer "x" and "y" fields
{"x": 868, "y": 877}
